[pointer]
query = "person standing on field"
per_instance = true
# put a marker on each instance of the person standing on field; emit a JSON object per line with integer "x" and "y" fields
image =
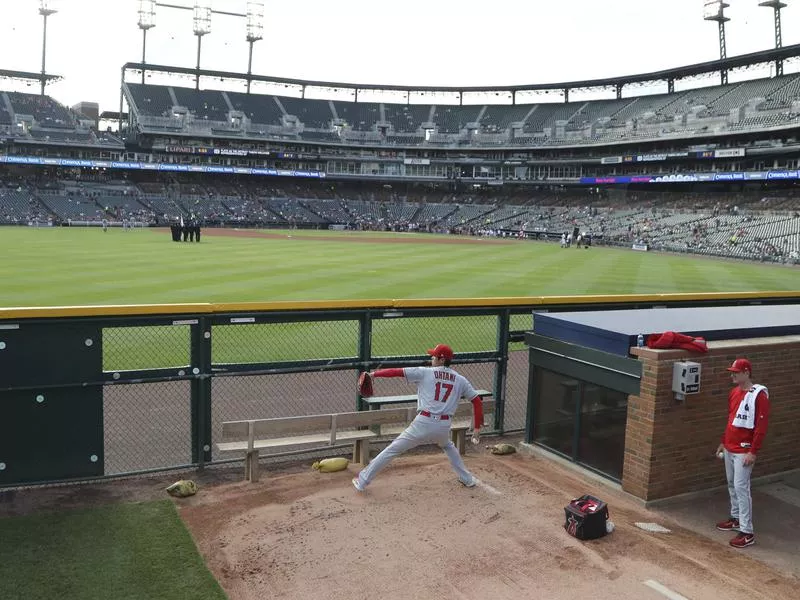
{"x": 439, "y": 388}
{"x": 748, "y": 416}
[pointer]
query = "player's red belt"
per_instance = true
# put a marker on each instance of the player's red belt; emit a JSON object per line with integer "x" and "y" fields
{"x": 425, "y": 413}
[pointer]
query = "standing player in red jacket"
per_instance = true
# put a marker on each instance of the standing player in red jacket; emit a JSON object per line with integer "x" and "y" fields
{"x": 748, "y": 415}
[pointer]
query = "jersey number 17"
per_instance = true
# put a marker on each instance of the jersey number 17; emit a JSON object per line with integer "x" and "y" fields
{"x": 448, "y": 388}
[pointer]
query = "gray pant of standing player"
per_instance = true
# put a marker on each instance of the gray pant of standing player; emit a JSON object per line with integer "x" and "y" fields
{"x": 423, "y": 430}
{"x": 739, "y": 490}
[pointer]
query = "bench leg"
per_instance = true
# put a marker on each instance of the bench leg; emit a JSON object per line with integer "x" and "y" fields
{"x": 251, "y": 466}
{"x": 459, "y": 438}
{"x": 361, "y": 452}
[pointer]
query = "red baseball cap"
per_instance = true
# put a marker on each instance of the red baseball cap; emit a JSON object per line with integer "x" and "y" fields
{"x": 442, "y": 351}
{"x": 739, "y": 365}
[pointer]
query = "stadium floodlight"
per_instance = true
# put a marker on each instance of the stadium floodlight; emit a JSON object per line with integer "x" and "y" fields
{"x": 147, "y": 20}
{"x": 255, "y": 20}
{"x": 714, "y": 10}
{"x": 255, "y": 31}
{"x": 776, "y": 5}
{"x": 46, "y": 8}
{"x": 201, "y": 25}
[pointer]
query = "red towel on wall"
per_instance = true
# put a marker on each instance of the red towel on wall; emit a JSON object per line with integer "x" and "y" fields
{"x": 672, "y": 339}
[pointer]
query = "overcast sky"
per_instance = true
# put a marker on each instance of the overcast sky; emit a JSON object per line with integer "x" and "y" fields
{"x": 423, "y": 42}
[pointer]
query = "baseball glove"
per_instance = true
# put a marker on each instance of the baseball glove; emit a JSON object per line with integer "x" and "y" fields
{"x": 365, "y": 385}
{"x": 182, "y": 488}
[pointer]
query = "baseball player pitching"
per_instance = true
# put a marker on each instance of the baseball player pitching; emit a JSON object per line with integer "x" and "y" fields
{"x": 439, "y": 389}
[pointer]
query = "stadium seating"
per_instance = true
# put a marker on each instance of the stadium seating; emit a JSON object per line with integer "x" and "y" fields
{"x": 546, "y": 115}
{"x": 407, "y": 118}
{"x": 19, "y": 205}
{"x": 499, "y": 117}
{"x": 256, "y": 107}
{"x": 782, "y": 97}
{"x": 289, "y": 210}
{"x": 207, "y": 105}
{"x": 358, "y": 115}
{"x": 44, "y": 110}
{"x": 653, "y": 116}
{"x": 592, "y": 111}
{"x": 63, "y": 136}
{"x": 312, "y": 113}
{"x": 153, "y": 100}
{"x": 451, "y": 119}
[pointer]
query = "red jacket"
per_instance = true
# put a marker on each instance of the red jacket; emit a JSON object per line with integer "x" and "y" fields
{"x": 734, "y": 437}
{"x": 672, "y": 339}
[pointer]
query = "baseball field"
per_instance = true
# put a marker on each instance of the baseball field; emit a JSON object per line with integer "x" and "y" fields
{"x": 276, "y": 540}
{"x": 64, "y": 266}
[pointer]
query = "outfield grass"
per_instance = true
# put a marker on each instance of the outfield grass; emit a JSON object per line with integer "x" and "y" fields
{"x": 88, "y": 267}
{"x": 85, "y": 266}
{"x": 120, "y": 552}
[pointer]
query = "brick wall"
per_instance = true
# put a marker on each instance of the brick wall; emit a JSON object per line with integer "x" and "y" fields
{"x": 669, "y": 445}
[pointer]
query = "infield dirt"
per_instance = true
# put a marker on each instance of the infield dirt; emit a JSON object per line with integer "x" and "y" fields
{"x": 417, "y": 533}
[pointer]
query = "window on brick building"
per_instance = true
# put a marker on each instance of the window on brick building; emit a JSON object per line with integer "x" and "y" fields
{"x": 582, "y": 421}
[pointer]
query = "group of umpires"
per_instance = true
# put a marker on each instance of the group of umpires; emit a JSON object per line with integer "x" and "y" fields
{"x": 189, "y": 230}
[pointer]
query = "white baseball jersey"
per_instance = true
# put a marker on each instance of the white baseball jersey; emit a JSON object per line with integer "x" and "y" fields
{"x": 439, "y": 388}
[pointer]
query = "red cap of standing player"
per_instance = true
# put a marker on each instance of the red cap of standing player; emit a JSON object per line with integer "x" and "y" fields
{"x": 442, "y": 351}
{"x": 740, "y": 365}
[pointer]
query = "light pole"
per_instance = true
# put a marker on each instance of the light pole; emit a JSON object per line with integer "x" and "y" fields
{"x": 777, "y": 5}
{"x": 46, "y": 9}
{"x": 255, "y": 31}
{"x": 714, "y": 10}
{"x": 147, "y": 20}
{"x": 201, "y": 25}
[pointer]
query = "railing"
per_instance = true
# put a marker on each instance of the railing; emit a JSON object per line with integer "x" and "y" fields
{"x": 88, "y": 392}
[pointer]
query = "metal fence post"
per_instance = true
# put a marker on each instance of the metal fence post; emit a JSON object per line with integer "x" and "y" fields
{"x": 364, "y": 347}
{"x": 201, "y": 391}
{"x": 501, "y": 368}
{"x": 530, "y": 413}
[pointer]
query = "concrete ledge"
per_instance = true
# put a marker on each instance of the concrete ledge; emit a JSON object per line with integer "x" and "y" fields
{"x": 755, "y": 482}
{"x": 539, "y": 452}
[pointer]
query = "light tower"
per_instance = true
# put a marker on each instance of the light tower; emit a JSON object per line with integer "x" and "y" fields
{"x": 255, "y": 31}
{"x": 46, "y": 8}
{"x": 714, "y": 10}
{"x": 201, "y": 25}
{"x": 147, "y": 20}
{"x": 777, "y": 5}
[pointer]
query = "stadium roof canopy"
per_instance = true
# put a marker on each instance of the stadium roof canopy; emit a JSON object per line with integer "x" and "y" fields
{"x": 28, "y": 75}
{"x": 669, "y": 75}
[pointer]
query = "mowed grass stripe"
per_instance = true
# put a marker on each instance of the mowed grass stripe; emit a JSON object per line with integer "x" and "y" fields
{"x": 73, "y": 266}
{"x": 78, "y": 266}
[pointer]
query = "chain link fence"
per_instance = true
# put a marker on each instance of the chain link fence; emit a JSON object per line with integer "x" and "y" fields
{"x": 516, "y": 397}
{"x": 148, "y": 347}
{"x": 154, "y": 370}
{"x": 169, "y": 381}
{"x": 284, "y": 342}
{"x": 412, "y": 336}
{"x": 147, "y": 426}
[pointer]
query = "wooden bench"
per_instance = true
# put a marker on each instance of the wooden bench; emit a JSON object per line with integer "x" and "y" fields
{"x": 251, "y": 436}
